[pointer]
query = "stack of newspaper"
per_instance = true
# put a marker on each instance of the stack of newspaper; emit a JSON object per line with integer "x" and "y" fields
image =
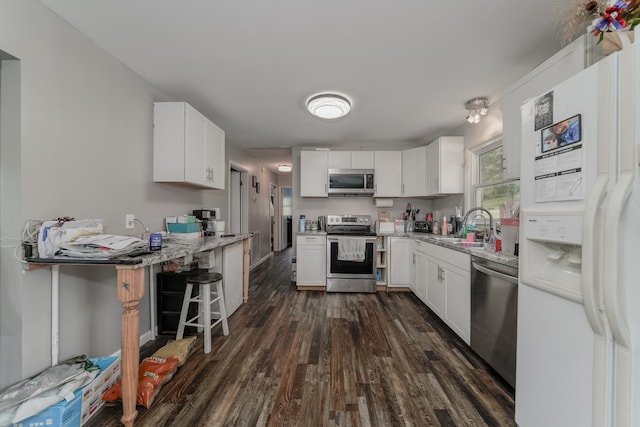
{"x": 101, "y": 246}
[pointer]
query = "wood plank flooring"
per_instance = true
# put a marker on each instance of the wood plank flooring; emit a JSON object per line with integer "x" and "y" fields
{"x": 297, "y": 358}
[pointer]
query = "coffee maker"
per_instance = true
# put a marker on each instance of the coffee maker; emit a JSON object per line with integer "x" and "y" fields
{"x": 206, "y": 215}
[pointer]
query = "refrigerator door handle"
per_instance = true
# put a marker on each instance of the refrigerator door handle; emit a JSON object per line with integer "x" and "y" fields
{"x": 591, "y": 287}
{"x": 613, "y": 296}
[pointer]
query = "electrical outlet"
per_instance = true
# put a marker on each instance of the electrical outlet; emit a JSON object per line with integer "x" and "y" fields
{"x": 129, "y": 221}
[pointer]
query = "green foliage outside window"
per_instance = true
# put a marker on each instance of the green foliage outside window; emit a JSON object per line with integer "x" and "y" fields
{"x": 501, "y": 198}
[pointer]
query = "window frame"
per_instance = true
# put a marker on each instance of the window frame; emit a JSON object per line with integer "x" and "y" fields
{"x": 474, "y": 177}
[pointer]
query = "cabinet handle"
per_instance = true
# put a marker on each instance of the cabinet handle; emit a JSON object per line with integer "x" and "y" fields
{"x": 504, "y": 163}
{"x": 414, "y": 258}
{"x": 442, "y": 278}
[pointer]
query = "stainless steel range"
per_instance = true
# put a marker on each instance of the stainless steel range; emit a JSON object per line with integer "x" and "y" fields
{"x": 351, "y": 248}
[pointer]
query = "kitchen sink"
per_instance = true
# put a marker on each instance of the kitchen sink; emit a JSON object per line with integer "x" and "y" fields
{"x": 449, "y": 239}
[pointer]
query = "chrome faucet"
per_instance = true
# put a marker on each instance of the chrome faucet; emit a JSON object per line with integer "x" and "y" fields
{"x": 468, "y": 214}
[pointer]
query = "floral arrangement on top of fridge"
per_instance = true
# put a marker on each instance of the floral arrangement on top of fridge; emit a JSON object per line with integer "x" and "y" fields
{"x": 599, "y": 17}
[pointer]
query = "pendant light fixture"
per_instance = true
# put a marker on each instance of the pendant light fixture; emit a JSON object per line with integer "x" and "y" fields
{"x": 329, "y": 105}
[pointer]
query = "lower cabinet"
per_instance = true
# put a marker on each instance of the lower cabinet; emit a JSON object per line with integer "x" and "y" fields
{"x": 400, "y": 255}
{"x": 311, "y": 260}
{"x": 448, "y": 276}
{"x": 232, "y": 266}
{"x": 420, "y": 261}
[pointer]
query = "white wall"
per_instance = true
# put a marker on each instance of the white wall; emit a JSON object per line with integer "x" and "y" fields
{"x": 86, "y": 142}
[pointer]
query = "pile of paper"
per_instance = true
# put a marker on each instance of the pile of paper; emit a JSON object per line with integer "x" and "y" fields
{"x": 101, "y": 246}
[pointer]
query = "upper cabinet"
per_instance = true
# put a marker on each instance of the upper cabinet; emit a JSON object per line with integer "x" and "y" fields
{"x": 414, "y": 172}
{"x": 187, "y": 147}
{"x": 313, "y": 173}
{"x": 351, "y": 160}
{"x": 445, "y": 166}
{"x": 388, "y": 173}
{"x": 554, "y": 70}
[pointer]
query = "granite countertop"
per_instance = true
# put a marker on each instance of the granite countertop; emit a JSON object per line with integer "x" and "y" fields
{"x": 171, "y": 249}
{"x": 509, "y": 260}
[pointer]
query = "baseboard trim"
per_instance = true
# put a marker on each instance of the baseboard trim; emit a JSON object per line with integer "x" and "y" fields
{"x": 260, "y": 261}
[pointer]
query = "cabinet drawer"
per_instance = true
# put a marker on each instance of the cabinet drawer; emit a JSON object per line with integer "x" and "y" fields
{"x": 311, "y": 240}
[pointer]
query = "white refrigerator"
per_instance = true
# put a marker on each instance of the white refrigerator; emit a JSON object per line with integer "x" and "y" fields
{"x": 578, "y": 362}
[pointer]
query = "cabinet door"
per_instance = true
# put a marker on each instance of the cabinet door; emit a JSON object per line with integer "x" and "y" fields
{"x": 311, "y": 265}
{"x": 313, "y": 173}
{"x": 435, "y": 287}
{"x": 362, "y": 160}
{"x": 388, "y": 173}
{"x": 421, "y": 265}
{"x": 195, "y": 147}
{"x": 215, "y": 168}
{"x": 400, "y": 261}
{"x": 445, "y": 169}
{"x": 232, "y": 264}
{"x": 414, "y": 172}
{"x": 339, "y": 160}
{"x": 457, "y": 313}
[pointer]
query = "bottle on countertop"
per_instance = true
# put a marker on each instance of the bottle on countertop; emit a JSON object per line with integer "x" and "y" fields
{"x": 443, "y": 229}
{"x": 302, "y": 223}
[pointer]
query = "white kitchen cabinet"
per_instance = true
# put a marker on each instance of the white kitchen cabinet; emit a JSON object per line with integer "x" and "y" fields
{"x": 449, "y": 288}
{"x": 314, "y": 173}
{"x": 435, "y": 287}
{"x": 414, "y": 172}
{"x": 564, "y": 64}
{"x": 445, "y": 166}
{"x": 362, "y": 160}
{"x": 216, "y": 152}
{"x": 232, "y": 271}
{"x": 399, "y": 261}
{"x": 187, "y": 147}
{"x": 457, "y": 310}
{"x": 311, "y": 260}
{"x": 351, "y": 160}
{"x": 388, "y": 173}
{"x": 419, "y": 275}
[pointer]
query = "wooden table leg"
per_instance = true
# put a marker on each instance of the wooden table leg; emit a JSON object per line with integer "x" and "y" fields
{"x": 246, "y": 249}
{"x": 130, "y": 291}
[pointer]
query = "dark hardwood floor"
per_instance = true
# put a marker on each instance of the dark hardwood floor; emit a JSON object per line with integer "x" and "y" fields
{"x": 314, "y": 359}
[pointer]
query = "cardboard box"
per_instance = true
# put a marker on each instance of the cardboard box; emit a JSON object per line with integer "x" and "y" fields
{"x": 63, "y": 414}
{"x": 92, "y": 392}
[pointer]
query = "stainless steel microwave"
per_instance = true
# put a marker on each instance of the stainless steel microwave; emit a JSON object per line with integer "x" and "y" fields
{"x": 351, "y": 182}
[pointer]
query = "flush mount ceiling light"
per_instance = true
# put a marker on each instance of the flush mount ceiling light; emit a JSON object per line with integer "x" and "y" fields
{"x": 284, "y": 168}
{"x": 476, "y": 107}
{"x": 328, "y": 105}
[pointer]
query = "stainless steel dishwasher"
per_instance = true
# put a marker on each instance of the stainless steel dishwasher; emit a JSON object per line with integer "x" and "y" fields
{"x": 494, "y": 313}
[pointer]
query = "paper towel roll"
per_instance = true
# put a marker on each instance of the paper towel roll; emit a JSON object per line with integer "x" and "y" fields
{"x": 383, "y": 203}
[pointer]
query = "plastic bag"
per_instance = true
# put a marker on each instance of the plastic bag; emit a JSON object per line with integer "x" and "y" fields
{"x": 152, "y": 374}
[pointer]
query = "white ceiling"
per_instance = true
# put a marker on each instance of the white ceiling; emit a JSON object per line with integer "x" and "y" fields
{"x": 249, "y": 65}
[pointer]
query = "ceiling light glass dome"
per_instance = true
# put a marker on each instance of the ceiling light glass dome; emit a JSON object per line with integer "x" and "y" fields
{"x": 328, "y": 105}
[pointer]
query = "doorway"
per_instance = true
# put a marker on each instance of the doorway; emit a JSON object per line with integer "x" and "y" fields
{"x": 238, "y": 215}
{"x": 286, "y": 211}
